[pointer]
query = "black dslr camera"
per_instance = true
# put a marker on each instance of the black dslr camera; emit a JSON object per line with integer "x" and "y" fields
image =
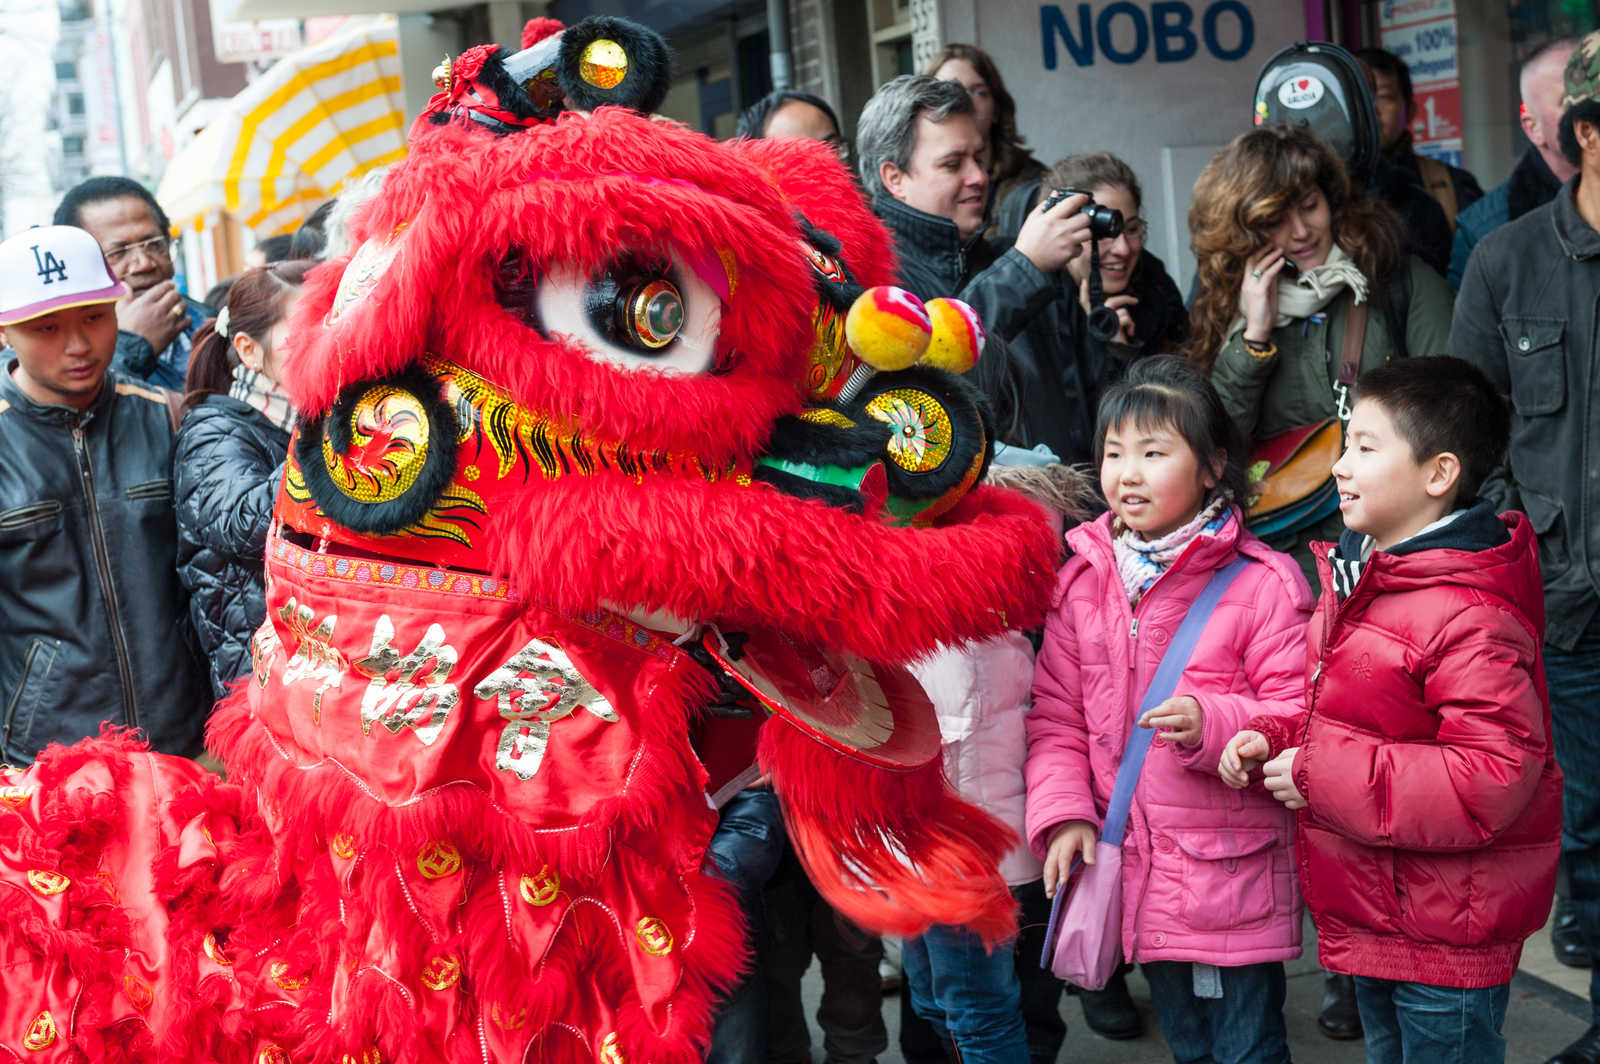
{"x": 1105, "y": 223}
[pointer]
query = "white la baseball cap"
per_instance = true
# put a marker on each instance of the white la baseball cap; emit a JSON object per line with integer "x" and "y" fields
{"x": 52, "y": 267}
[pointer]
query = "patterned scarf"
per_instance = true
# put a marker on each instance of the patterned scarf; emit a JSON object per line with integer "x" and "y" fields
{"x": 264, "y": 394}
{"x": 1313, "y": 290}
{"x": 1140, "y": 561}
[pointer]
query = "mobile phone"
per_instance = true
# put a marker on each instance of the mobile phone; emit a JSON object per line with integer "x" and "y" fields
{"x": 1290, "y": 271}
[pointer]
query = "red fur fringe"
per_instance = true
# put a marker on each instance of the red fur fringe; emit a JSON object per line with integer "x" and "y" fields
{"x": 753, "y": 555}
{"x": 895, "y": 852}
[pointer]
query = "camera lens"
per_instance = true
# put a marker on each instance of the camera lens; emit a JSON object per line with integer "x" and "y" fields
{"x": 1103, "y": 323}
{"x": 1104, "y": 222}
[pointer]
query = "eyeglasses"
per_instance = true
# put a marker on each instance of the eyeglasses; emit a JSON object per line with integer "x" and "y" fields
{"x": 157, "y": 247}
{"x": 1137, "y": 230}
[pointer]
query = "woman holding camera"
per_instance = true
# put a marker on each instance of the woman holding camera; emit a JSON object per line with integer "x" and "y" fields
{"x": 1292, "y": 260}
{"x": 1068, "y": 355}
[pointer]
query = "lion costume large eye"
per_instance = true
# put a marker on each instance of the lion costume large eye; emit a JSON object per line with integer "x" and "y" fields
{"x": 635, "y": 315}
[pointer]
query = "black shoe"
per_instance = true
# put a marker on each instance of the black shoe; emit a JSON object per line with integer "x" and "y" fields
{"x": 1338, "y": 1017}
{"x": 1586, "y": 1050}
{"x": 1110, "y": 1013}
{"x": 1565, "y": 938}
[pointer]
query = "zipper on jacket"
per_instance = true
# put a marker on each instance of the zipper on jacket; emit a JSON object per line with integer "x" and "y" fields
{"x": 103, "y": 561}
{"x": 1133, "y": 644}
{"x": 16, "y": 696}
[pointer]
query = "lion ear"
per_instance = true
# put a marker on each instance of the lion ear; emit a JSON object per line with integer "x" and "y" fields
{"x": 383, "y": 454}
{"x": 611, "y": 61}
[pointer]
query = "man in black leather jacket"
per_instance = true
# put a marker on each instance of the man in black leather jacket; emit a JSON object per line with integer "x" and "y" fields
{"x": 918, "y": 147}
{"x": 93, "y": 621}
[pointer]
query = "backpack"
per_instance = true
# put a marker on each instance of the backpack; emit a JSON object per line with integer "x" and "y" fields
{"x": 1323, "y": 86}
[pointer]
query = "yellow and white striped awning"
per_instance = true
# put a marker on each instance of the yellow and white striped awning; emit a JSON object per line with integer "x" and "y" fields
{"x": 318, "y": 118}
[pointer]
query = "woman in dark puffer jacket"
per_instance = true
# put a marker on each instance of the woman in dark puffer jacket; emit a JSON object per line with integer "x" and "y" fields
{"x": 228, "y": 460}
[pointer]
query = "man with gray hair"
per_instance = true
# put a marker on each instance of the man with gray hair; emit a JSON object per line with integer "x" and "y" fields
{"x": 918, "y": 146}
{"x": 1541, "y": 170}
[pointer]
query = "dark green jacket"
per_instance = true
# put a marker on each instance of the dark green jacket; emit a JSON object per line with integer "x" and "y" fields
{"x": 1295, "y": 386}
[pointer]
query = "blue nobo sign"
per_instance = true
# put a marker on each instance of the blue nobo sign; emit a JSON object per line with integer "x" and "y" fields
{"x": 1170, "y": 25}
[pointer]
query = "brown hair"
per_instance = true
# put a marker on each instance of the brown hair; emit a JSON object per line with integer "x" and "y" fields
{"x": 1008, "y": 152}
{"x": 1242, "y": 193}
{"x": 256, "y": 302}
{"x": 1092, "y": 170}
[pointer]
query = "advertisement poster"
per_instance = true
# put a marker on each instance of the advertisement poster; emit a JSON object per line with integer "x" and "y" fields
{"x": 1423, "y": 34}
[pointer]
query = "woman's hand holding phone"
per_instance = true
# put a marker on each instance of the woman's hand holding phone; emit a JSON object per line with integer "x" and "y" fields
{"x": 1259, "y": 292}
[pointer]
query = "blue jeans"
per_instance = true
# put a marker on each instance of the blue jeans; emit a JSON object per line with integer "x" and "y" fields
{"x": 1574, "y": 680}
{"x": 1244, "y": 1026}
{"x": 745, "y": 849}
{"x": 971, "y": 996}
{"x": 1419, "y": 1023}
{"x": 1041, "y": 992}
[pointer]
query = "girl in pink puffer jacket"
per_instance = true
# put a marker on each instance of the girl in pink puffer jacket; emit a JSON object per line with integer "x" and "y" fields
{"x": 1210, "y": 906}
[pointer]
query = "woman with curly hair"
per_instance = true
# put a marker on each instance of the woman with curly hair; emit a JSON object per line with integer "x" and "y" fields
{"x": 1273, "y": 336}
{"x": 1007, "y": 159}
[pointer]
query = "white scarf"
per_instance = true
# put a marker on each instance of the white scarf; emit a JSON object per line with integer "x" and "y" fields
{"x": 1314, "y": 289}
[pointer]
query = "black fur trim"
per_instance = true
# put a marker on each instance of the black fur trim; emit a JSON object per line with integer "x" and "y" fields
{"x": 971, "y": 429}
{"x": 511, "y": 95}
{"x": 801, "y": 488}
{"x": 438, "y": 466}
{"x": 649, "y": 74}
{"x": 798, "y": 440}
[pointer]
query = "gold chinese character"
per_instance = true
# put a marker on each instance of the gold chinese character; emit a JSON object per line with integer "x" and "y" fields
{"x": 315, "y": 657}
{"x": 654, "y": 938}
{"x": 41, "y": 1032}
{"x": 441, "y": 973}
{"x": 406, "y": 703}
{"x": 550, "y": 688}
{"x": 540, "y": 888}
{"x": 438, "y": 859}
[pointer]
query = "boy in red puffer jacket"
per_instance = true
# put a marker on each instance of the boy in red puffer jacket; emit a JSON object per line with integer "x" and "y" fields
{"x": 1429, "y": 794}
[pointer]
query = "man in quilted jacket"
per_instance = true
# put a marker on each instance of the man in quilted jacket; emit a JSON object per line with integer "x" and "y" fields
{"x": 1424, "y": 772}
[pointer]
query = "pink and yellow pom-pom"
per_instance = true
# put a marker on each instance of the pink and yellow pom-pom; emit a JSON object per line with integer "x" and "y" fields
{"x": 888, "y": 328}
{"x": 957, "y": 336}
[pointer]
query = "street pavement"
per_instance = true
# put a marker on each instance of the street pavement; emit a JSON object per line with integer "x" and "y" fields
{"x": 1548, "y": 1009}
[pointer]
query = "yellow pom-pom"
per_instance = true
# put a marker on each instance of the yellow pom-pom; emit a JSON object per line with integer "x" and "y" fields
{"x": 888, "y": 328}
{"x": 957, "y": 338}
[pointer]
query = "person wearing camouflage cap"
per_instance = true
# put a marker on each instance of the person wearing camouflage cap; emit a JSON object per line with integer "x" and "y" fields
{"x": 1527, "y": 316}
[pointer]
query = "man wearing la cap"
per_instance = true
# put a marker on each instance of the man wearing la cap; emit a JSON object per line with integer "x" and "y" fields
{"x": 1529, "y": 316}
{"x": 93, "y": 622}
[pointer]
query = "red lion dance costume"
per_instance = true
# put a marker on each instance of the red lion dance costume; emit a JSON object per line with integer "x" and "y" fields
{"x": 583, "y": 451}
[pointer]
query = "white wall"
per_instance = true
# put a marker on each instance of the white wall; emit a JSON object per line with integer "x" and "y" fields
{"x": 1166, "y": 114}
